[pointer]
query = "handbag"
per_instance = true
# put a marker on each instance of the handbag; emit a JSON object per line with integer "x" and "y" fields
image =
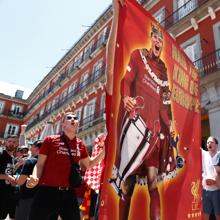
{"x": 75, "y": 178}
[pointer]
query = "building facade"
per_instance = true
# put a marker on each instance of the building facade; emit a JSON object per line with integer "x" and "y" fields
{"x": 76, "y": 84}
{"x": 77, "y": 81}
{"x": 12, "y": 111}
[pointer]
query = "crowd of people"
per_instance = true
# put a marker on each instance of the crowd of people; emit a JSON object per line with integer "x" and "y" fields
{"x": 34, "y": 177}
{"x": 51, "y": 200}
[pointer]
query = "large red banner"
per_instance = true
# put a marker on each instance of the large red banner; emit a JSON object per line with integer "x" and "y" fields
{"x": 153, "y": 166}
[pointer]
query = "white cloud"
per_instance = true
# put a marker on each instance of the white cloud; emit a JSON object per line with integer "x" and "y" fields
{"x": 10, "y": 89}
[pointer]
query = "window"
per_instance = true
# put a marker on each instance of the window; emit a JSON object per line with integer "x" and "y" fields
{"x": 57, "y": 127}
{"x": 87, "y": 51}
{"x": 88, "y": 113}
{"x": 190, "y": 51}
{"x": 48, "y": 108}
{"x": 2, "y": 105}
{"x": 185, "y": 7}
{"x": 78, "y": 112}
{"x": 192, "y": 48}
{"x": 63, "y": 95}
{"x": 70, "y": 67}
{"x": 97, "y": 69}
{"x": 160, "y": 16}
{"x": 78, "y": 60}
{"x": 16, "y": 109}
{"x": 216, "y": 29}
{"x": 11, "y": 129}
{"x": 73, "y": 87}
{"x": 102, "y": 37}
{"x": 84, "y": 79}
{"x": 41, "y": 112}
{"x": 102, "y": 104}
{"x": 55, "y": 102}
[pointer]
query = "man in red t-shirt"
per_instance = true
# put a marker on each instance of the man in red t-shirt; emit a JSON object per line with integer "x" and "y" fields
{"x": 52, "y": 173}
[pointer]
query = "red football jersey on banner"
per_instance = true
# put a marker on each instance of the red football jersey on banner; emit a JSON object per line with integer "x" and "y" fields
{"x": 163, "y": 84}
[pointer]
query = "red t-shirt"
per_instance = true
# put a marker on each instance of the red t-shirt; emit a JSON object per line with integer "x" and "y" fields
{"x": 57, "y": 166}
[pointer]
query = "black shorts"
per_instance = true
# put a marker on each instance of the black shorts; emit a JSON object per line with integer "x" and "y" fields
{"x": 8, "y": 201}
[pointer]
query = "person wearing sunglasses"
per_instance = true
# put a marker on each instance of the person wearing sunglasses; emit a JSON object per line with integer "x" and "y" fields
{"x": 52, "y": 170}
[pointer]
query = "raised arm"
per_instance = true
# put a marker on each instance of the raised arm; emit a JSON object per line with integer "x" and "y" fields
{"x": 110, "y": 50}
{"x": 90, "y": 162}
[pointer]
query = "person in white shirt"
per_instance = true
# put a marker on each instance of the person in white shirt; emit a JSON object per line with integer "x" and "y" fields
{"x": 210, "y": 174}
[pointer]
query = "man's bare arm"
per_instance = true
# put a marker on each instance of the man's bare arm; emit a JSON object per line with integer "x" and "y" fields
{"x": 110, "y": 50}
{"x": 91, "y": 162}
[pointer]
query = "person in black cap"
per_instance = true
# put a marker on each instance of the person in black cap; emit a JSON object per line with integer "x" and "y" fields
{"x": 26, "y": 194}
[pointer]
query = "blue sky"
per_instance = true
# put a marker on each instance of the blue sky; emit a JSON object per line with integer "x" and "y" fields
{"x": 35, "y": 34}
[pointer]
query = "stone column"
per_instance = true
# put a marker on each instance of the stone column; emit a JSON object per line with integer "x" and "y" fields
{"x": 214, "y": 121}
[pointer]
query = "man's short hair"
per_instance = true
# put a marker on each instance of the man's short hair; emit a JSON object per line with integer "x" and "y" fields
{"x": 215, "y": 139}
{"x": 37, "y": 143}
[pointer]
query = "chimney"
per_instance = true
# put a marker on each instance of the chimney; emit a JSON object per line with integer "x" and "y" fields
{"x": 19, "y": 94}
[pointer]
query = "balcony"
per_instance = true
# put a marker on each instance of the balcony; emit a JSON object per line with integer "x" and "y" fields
{"x": 182, "y": 12}
{"x": 89, "y": 81}
{"x": 209, "y": 63}
{"x": 19, "y": 115}
{"x": 91, "y": 120}
{"x": 76, "y": 65}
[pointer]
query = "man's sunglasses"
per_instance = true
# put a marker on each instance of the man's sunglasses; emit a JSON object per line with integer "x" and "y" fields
{"x": 70, "y": 117}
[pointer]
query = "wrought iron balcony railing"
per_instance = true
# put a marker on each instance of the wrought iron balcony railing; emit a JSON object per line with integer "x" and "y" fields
{"x": 14, "y": 114}
{"x": 11, "y": 113}
{"x": 206, "y": 65}
{"x": 181, "y": 12}
{"x": 91, "y": 120}
{"x": 95, "y": 76}
{"x": 209, "y": 63}
{"x": 97, "y": 44}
